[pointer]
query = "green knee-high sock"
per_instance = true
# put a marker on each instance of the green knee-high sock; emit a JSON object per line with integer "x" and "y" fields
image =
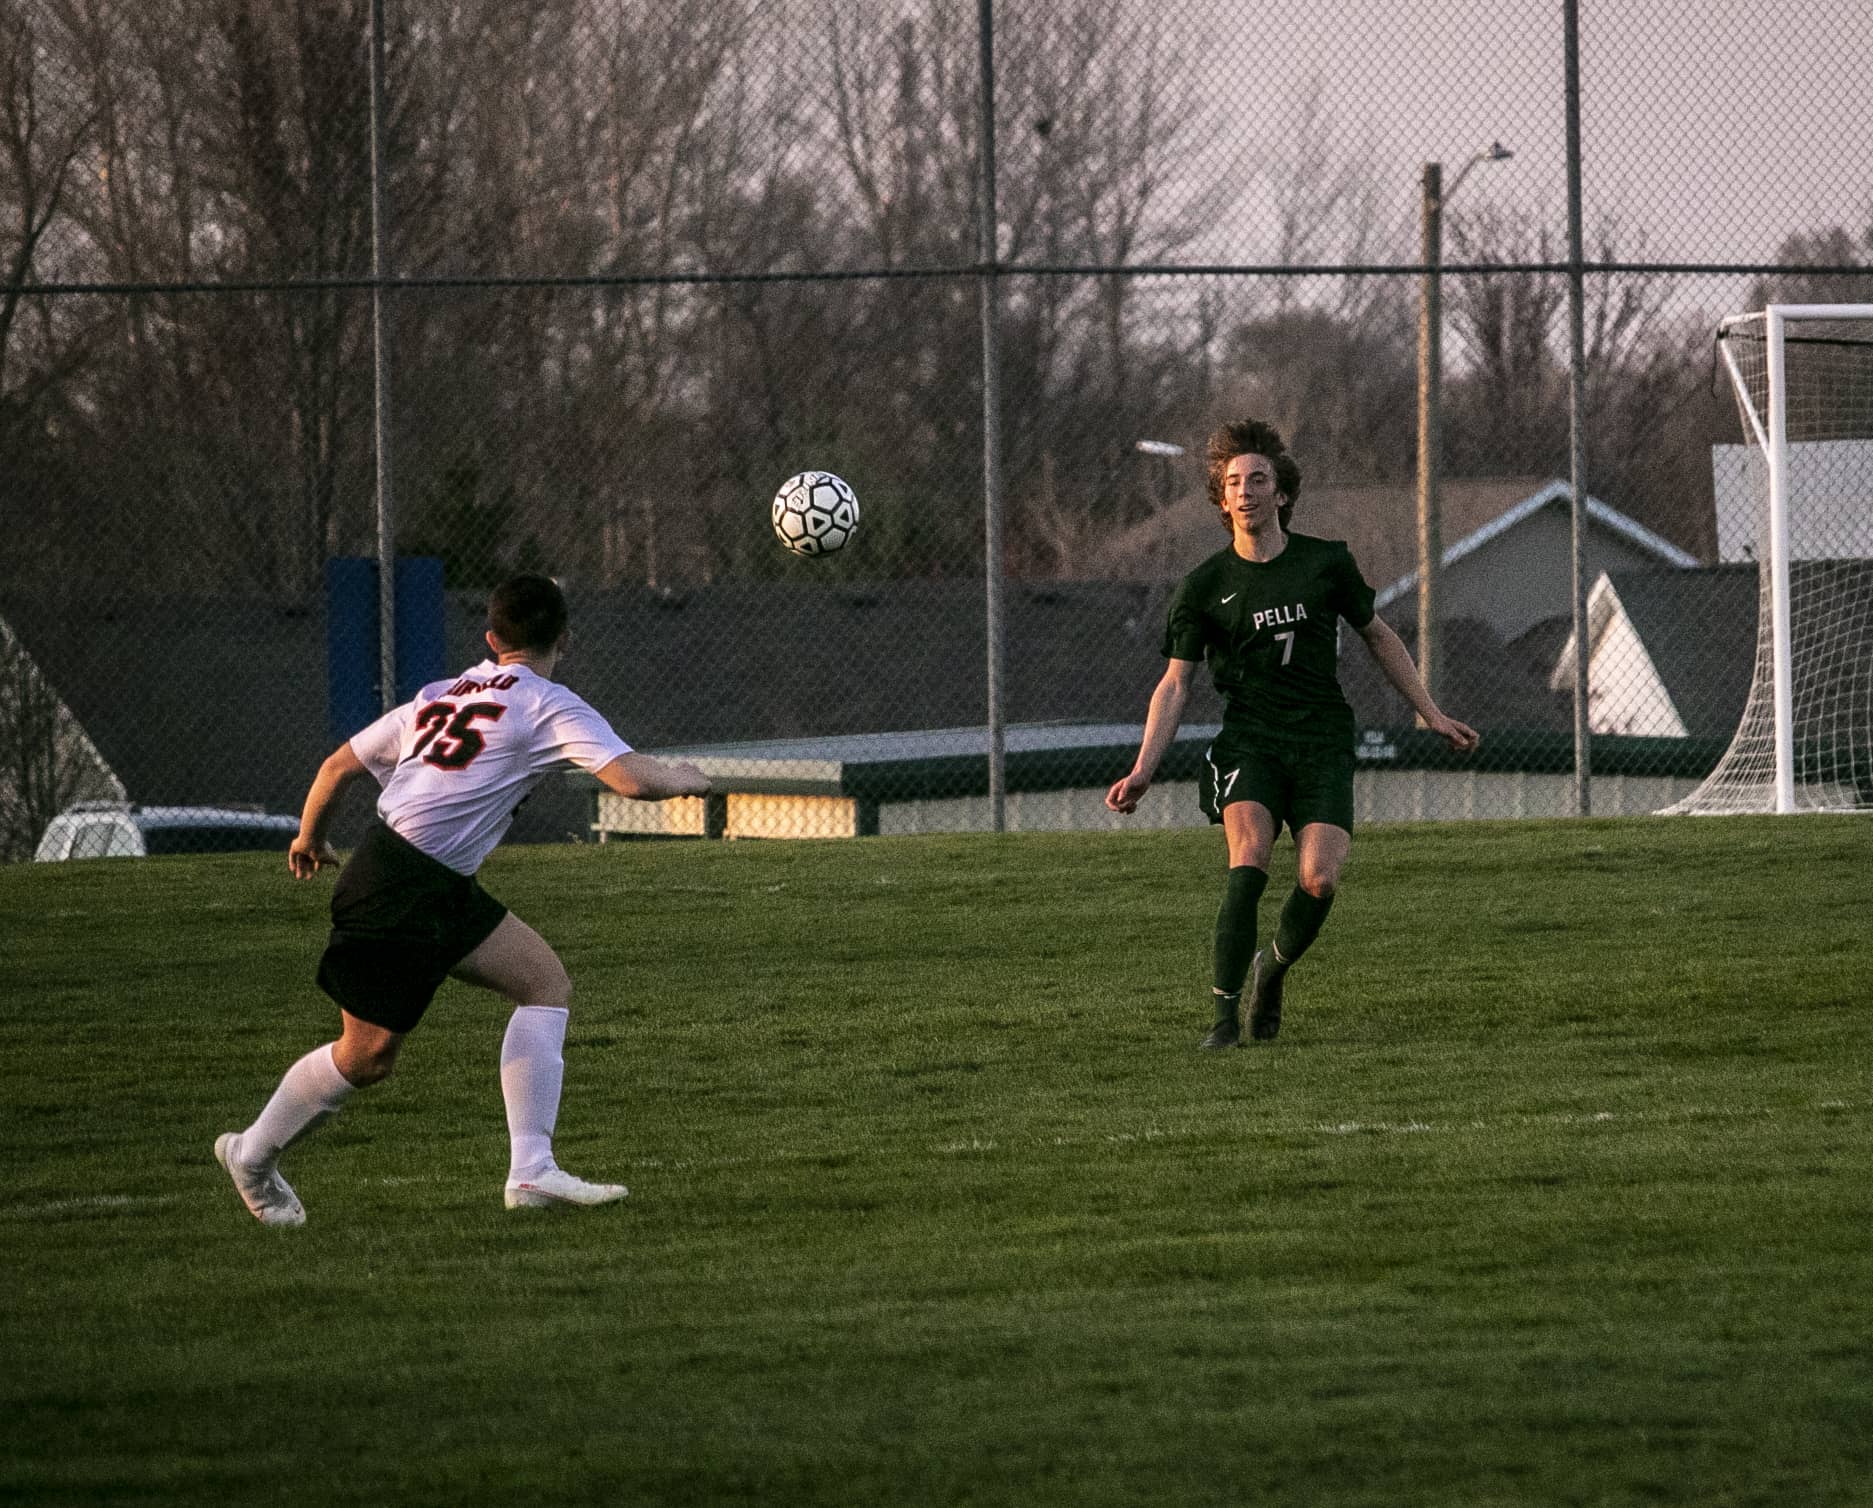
{"x": 1301, "y": 920}
{"x": 1235, "y": 934}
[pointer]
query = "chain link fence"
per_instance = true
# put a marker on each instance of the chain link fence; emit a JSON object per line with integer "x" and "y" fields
{"x": 622, "y": 268}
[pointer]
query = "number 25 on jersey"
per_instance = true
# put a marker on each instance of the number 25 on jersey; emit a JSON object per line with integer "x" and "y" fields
{"x": 449, "y": 739}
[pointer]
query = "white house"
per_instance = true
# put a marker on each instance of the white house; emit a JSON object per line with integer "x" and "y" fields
{"x": 1670, "y": 652}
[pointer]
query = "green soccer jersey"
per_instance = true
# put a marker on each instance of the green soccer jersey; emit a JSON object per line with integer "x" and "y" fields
{"x": 1270, "y": 631}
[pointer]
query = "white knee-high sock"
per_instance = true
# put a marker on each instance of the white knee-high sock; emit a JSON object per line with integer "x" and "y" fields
{"x": 308, "y": 1096}
{"x": 533, "y": 1067}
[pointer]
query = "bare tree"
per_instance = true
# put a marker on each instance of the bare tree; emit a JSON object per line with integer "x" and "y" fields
{"x": 596, "y": 139}
{"x": 1646, "y": 376}
{"x": 1098, "y": 119}
{"x": 1833, "y": 247}
{"x": 1339, "y": 388}
{"x": 218, "y": 150}
{"x": 1324, "y": 193}
{"x": 1506, "y": 384}
{"x": 1328, "y": 361}
{"x": 38, "y": 155}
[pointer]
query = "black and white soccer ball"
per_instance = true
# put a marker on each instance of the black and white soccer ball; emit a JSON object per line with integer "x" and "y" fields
{"x": 815, "y": 513}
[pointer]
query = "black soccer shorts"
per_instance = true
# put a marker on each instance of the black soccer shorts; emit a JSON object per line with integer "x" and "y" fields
{"x": 1298, "y": 783}
{"x": 400, "y": 922}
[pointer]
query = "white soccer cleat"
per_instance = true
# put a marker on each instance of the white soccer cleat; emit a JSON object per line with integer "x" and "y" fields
{"x": 269, "y": 1198}
{"x": 556, "y": 1187}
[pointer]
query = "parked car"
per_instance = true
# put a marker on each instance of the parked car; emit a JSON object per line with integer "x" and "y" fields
{"x": 117, "y": 830}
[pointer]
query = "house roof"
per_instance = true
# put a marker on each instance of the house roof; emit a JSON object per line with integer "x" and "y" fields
{"x": 1551, "y": 495}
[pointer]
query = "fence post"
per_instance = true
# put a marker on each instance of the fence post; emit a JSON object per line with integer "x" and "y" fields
{"x": 1576, "y": 415}
{"x": 1430, "y": 399}
{"x": 380, "y": 344}
{"x": 989, "y": 245}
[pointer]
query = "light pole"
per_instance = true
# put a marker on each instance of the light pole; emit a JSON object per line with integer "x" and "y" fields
{"x": 1433, "y": 197}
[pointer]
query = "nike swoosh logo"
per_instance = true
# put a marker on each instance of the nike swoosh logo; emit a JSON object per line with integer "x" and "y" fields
{"x": 1229, "y": 599}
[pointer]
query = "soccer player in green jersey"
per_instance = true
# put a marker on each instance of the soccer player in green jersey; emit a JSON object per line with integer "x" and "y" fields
{"x": 1265, "y": 613}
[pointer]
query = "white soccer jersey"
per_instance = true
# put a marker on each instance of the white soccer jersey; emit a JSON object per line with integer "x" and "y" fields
{"x": 456, "y": 762}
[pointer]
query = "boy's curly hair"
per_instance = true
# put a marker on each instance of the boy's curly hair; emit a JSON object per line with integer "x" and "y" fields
{"x": 1254, "y": 437}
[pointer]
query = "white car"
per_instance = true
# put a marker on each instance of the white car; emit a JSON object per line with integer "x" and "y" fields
{"x": 117, "y": 830}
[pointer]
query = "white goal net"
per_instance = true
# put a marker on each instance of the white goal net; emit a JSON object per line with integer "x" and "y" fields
{"x": 1797, "y": 498}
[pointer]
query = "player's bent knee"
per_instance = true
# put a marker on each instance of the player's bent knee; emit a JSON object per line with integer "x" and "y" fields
{"x": 547, "y": 981}
{"x": 365, "y": 1053}
{"x": 364, "y": 1068}
{"x": 555, "y": 990}
{"x": 1319, "y": 884}
{"x": 543, "y": 982}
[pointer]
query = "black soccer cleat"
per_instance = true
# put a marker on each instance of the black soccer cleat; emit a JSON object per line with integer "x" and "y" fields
{"x": 1265, "y": 997}
{"x": 1226, "y": 1033}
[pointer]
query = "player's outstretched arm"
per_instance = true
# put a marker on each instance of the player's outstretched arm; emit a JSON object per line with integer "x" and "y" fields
{"x": 642, "y": 778}
{"x": 311, "y": 850}
{"x": 1395, "y": 660}
{"x": 1161, "y": 724}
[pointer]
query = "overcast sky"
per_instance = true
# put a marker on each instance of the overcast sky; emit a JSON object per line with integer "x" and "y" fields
{"x": 1715, "y": 126}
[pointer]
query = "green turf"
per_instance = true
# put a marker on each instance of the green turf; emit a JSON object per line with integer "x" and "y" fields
{"x": 1555, "y": 1188}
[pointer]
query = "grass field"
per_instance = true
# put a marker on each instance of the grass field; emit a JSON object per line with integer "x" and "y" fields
{"x": 1555, "y": 1188}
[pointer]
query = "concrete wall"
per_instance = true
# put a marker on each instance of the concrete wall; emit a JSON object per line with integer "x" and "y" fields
{"x": 1379, "y": 796}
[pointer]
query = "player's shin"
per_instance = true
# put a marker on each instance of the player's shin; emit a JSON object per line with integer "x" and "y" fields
{"x": 1301, "y": 920}
{"x": 308, "y": 1095}
{"x": 533, "y": 1070}
{"x": 1235, "y": 934}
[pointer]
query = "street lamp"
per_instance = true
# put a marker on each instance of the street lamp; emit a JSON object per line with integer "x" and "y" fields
{"x": 1430, "y": 382}
{"x": 1170, "y": 453}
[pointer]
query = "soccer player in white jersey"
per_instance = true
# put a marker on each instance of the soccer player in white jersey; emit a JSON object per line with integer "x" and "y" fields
{"x": 407, "y": 911}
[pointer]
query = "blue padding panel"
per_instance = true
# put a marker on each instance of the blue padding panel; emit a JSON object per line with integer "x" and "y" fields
{"x": 350, "y": 645}
{"x": 419, "y": 623}
{"x": 351, "y": 667}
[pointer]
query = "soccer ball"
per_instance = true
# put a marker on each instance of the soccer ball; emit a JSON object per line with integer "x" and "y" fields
{"x": 815, "y": 513}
